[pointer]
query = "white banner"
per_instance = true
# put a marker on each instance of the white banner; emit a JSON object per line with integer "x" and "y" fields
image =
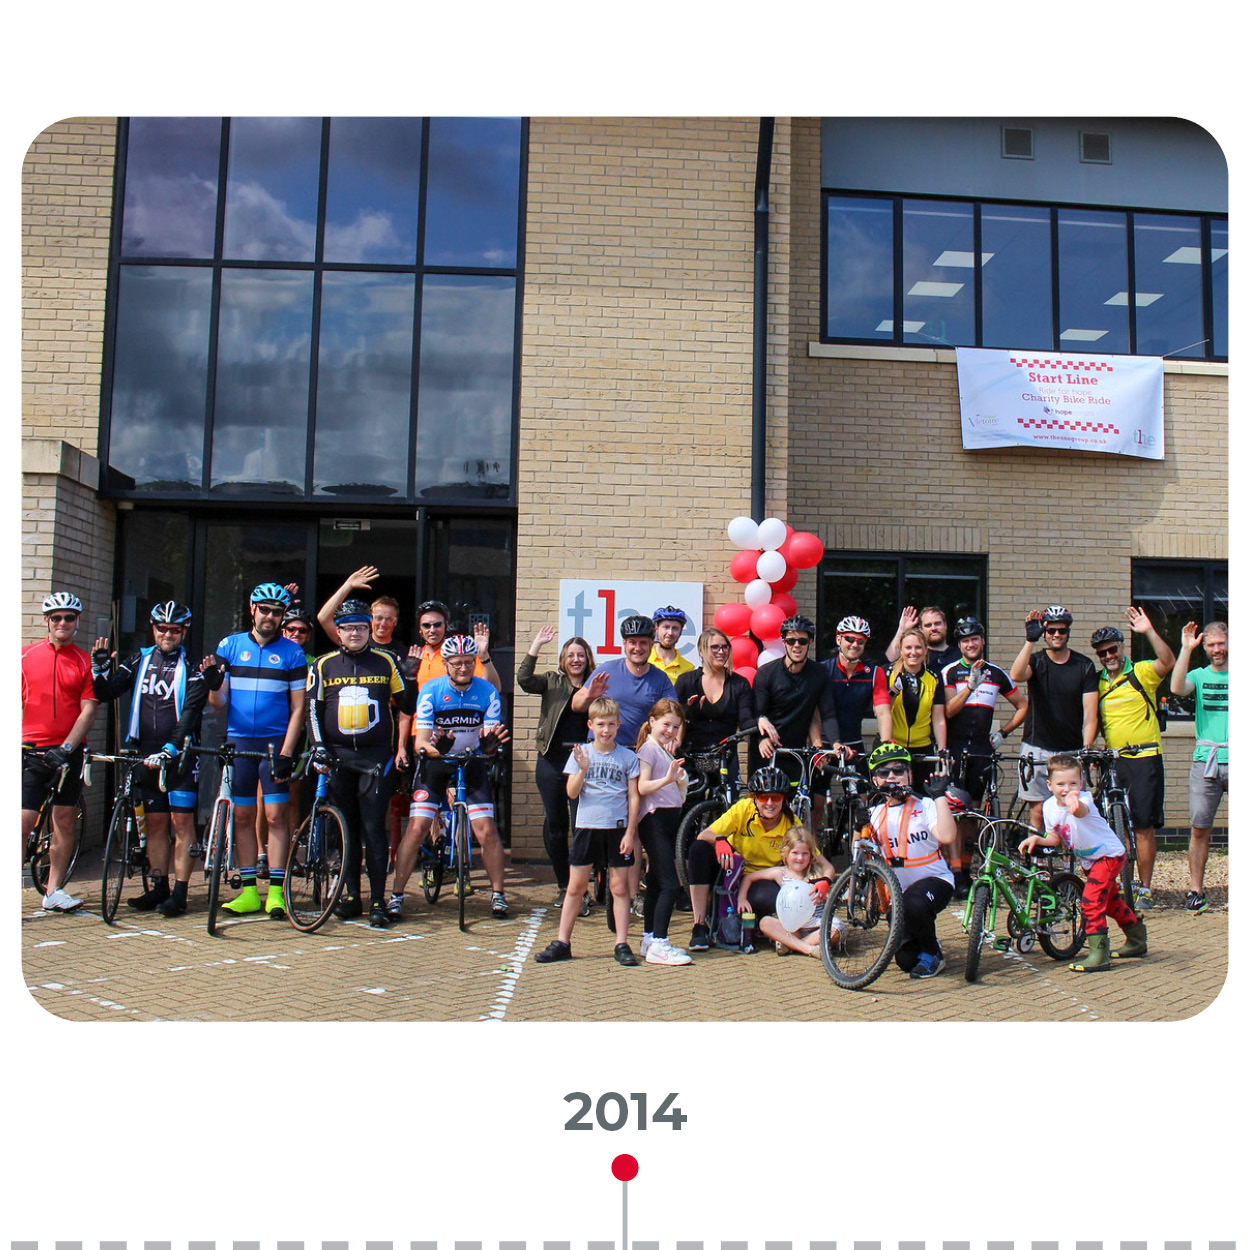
{"x": 1071, "y": 403}
{"x": 594, "y": 610}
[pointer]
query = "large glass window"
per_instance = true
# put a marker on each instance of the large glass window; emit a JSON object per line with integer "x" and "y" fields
{"x": 264, "y": 308}
{"x": 971, "y": 274}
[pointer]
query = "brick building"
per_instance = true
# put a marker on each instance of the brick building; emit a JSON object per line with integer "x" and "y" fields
{"x": 536, "y": 353}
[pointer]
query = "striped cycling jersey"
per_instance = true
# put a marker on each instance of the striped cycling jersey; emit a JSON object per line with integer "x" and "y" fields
{"x": 259, "y": 680}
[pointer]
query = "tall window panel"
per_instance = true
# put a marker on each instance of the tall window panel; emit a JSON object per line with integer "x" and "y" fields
{"x": 170, "y": 207}
{"x": 1167, "y": 260}
{"x": 1093, "y": 281}
{"x": 1015, "y": 276}
{"x": 939, "y": 292}
{"x": 859, "y": 277}
{"x": 1218, "y": 261}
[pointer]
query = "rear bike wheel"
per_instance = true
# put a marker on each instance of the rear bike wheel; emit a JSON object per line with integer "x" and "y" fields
{"x": 216, "y": 861}
{"x": 1063, "y": 936}
{"x": 116, "y": 859}
{"x": 432, "y": 871}
{"x": 463, "y": 855}
{"x": 1123, "y": 827}
{"x": 41, "y": 858}
{"x": 867, "y": 899}
{"x": 314, "y": 869}
{"x": 976, "y": 931}
{"x": 692, "y": 824}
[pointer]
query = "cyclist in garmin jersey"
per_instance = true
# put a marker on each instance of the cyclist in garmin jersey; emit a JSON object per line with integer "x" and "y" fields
{"x": 359, "y": 704}
{"x": 58, "y": 706}
{"x": 259, "y": 676}
{"x": 456, "y": 712}
{"x": 169, "y": 697}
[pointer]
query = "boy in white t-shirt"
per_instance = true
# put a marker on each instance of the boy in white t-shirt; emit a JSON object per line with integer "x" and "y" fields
{"x": 1072, "y": 820}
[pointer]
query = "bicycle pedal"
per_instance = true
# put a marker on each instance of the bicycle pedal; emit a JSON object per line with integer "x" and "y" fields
{"x": 197, "y": 850}
{"x": 1002, "y": 943}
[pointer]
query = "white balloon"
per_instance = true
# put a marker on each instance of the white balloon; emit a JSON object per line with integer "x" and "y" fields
{"x": 774, "y": 648}
{"x": 771, "y": 566}
{"x": 794, "y": 905}
{"x": 743, "y": 532}
{"x": 772, "y": 533}
{"x": 766, "y": 657}
{"x": 757, "y": 593}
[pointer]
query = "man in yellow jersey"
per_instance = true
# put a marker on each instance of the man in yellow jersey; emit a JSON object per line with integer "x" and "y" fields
{"x": 1128, "y": 714}
{"x": 670, "y": 622}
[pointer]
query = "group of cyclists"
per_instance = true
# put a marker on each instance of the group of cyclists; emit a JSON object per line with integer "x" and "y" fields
{"x": 366, "y": 712}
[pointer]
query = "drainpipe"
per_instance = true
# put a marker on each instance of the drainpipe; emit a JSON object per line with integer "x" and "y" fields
{"x": 759, "y": 347}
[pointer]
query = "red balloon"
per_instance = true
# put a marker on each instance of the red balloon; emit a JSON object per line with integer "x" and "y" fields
{"x": 786, "y": 602}
{"x": 745, "y": 653}
{"x": 748, "y": 673}
{"x": 785, "y": 546}
{"x": 742, "y": 566}
{"x": 766, "y": 622}
{"x": 806, "y": 551}
{"x": 733, "y": 618}
{"x": 787, "y": 581}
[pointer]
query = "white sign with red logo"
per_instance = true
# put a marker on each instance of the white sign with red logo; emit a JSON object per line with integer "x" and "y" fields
{"x": 1060, "y": 402}
{"x": 594, "y": 610}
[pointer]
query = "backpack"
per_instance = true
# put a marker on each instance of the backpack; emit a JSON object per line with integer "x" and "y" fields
{"x": 1159, "y": 711}
{"x": 726, "y": 923}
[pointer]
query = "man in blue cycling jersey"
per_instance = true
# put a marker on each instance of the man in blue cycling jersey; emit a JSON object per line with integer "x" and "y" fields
{"x": 259, "y": 676}
{"x": 456, "y": 712}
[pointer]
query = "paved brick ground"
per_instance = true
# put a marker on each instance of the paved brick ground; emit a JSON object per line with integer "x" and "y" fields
{"x": 426, "y": 969}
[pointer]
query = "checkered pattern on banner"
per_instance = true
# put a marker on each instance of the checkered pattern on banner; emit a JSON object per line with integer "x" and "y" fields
{"x": 1089, "y": 366}
{"x": 1092, "y": 427}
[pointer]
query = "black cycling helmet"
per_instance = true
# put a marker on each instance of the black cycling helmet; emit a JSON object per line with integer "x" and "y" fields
{"x": 351, "y": 612}
{"x": 637, "y": 626}
{"x": 170, "y": 613}
{"x": 888, "y": 753}
{"x": 434, "y": 605}
{"x": 1108, "y": 633}
{"x": 799, "y": 624}
{"x": 768, "y": 780}
{"x": 1057, "y": 615}
{"x": 967, "y": 627}
{"x": 301, "y": 615}
{"x": 669, "y": 613}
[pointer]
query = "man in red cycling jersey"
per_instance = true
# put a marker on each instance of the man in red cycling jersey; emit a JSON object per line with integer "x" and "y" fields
{"x": 58, "y": 706}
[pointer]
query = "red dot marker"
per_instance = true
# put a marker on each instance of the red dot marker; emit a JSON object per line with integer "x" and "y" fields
{"x": 624, "y": 1167}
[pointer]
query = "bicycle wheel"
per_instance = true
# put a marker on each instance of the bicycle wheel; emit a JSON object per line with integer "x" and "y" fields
{"x": 866, "y": 898}
{"x": 432, "y": 873}
{"x": 216, "y": 860}
{"x": 41, "y": 859}
{"x": 1124, "y": 831}
{"x": 464, "y": 855}
{"x": 116, "y": 859}
{"x": 1063, "y": 936}
{"x": 976, "y": 931}
{"x": 314, "y": 869}
{"x": 692, "y": 824}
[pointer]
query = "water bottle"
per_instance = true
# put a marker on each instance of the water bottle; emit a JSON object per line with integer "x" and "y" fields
{"x": 141, "y": 822}
{"x": 748, "y": 932}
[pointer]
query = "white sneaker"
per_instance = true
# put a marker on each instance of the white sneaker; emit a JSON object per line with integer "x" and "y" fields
{"x": 660, "y": 952}
{"x": 59, "y": 900}
{"x": 645, "y": 945}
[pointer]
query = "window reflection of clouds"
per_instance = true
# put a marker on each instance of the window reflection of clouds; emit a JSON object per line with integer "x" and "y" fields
{"x": 464, "y": 424}
{"x": 860, "y": 281}
{"x": 271, "y": 188}
{"x": 364, "y": 381}
{"x": 170, "y": 204}
{"x": 160, "y": 374}
{"x": 372, "y": 189}
{"x": 946, "y": 314}
{"x": 263, "y": 353}
{"x": 472, "y": 191}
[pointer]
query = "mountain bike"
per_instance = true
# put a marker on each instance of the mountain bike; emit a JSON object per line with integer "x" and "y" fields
{"x": 709, "y": 771}
{"x": 317, "y": 855}
{"x": 126, "y": 846}
{"x": 867, "y": 899}
{"x": 1110, "y": 797}
{"x": 39, "y": 840}
{"x": 1041, "y": 908}
{"x": 220, "y": 864}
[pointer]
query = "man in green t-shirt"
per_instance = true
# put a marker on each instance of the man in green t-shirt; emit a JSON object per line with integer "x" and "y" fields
{"x": 1208, "y": 774}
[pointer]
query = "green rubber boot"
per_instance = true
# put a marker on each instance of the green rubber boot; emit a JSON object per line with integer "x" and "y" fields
{"x": 1134, "y": 942}
{"x": 246, "y": 902}
{"x": 1099, "y": 957}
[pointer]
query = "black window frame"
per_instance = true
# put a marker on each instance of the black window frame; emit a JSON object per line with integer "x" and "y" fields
{"x": 113, "y": 484}
{"x": 897, "y": 200}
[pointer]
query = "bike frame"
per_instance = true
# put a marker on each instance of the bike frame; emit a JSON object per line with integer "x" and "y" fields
{"x": 998, "y": 873}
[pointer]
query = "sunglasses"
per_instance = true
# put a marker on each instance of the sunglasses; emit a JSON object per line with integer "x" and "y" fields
{"x": 1060, "y": 631}
{"x": 1107, "y": 652}
{"x": 266, "y": 610}
{"x": 892, "y": 770}
{"x": 439, "y": 624}
{"x": 770, "y": 798}
{"x": 797, "y": 642}
{"x": 168, "y": 629}
{"x": 296, "y": 629}
{"x": 66, "y": 619}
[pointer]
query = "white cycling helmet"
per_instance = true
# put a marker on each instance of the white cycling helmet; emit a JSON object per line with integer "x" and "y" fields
{"x": 854, "y": 625}
{"x": 62, "y": 601}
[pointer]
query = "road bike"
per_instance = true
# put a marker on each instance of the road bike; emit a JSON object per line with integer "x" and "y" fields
{"x": 448, "y": 850}
{"x": 317, "y": 856}
{"x": 1099, "y": 775}
{"x": 1041, "y": 907}
{"x": 220, "y": 864}
{"x": 711, "y": 776}
{"x": 39, "y": 840}
{"x": 867, "y": 900}
{"x": 126, "y": 845}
